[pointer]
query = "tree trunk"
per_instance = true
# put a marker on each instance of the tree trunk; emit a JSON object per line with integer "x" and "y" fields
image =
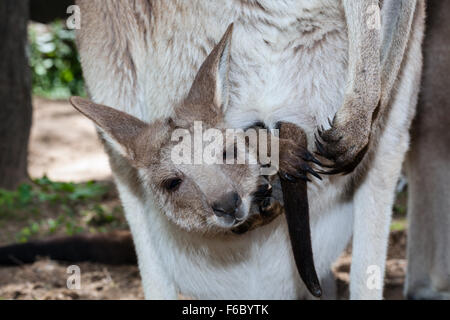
{"x": 45, "y": 11}
{"x": 15, "y": 93}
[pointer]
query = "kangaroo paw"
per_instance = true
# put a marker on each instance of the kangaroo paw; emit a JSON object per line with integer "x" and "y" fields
{"x": 296, "y": 162}
{"x": 269, "y": 208}
{"x": 344, "y": 145}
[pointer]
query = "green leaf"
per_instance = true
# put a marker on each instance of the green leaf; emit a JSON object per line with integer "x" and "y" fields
{"x": 25, "y": 194}
{"x": 34, "y": 228}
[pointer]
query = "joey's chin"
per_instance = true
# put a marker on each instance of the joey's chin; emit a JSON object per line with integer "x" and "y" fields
{"x": 208, "y": 223}
{"x": 229, "y": 221}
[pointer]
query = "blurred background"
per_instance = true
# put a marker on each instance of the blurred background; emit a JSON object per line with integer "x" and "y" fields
{"x": 54, "y": 176}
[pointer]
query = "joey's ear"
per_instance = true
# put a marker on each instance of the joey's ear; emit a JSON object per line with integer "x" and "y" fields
{"x": 121, "y": 129}
{"x": 211, "y": 83}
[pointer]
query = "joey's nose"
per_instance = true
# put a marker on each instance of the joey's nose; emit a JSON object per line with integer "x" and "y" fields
{"x": 228, "y": 205}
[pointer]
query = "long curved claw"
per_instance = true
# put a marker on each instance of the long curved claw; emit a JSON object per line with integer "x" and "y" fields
{"x": 337, "y": 167}
{"x": 295, "y": 164}
{"x": 308, "y": 169}
{"x": 307, "y": 156}
{"x": 293, "y": 178}
{"x": 330, "y": 122}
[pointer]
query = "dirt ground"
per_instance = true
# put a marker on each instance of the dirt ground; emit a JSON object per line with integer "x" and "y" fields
{"x": 46, "y": 279}
{"x": 64, "y": 146}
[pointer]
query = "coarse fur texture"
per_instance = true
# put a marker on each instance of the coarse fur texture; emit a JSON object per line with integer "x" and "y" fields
{"x": 293, "y": 61}
{"x": 198, "y": 196}
{"x": 208, "y": 198}
{"x": 427, "y": 167}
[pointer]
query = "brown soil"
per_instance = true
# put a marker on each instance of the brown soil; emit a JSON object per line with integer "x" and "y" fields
{"x": 64, "y": 144}
{"x": 47, "y": 279}
{"x": 395, "y": 269}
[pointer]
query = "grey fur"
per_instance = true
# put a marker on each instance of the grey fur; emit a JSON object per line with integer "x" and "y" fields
{"x": 428, "y": 167}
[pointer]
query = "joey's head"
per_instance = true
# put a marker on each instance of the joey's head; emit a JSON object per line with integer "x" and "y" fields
{"x": 180, "y": 160}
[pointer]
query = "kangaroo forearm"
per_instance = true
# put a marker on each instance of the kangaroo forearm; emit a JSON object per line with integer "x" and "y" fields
{"x": 346, "y": 141}
{"x": 398, "y": 17}
{"x": 364, "y": 37}
{"x": 374, "y": 63}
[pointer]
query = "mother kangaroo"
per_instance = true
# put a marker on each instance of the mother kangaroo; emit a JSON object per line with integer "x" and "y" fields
{"x": 334, "y": 68}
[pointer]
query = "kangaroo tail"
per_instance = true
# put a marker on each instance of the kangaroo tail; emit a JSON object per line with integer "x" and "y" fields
{"x": 112, "y": 248}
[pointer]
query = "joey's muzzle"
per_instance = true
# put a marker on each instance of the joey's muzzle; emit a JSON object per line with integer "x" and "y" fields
{"x": 228, "y": 207}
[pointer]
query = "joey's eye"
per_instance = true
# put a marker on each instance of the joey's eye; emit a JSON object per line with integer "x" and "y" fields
{"x": 172, "y": 184}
